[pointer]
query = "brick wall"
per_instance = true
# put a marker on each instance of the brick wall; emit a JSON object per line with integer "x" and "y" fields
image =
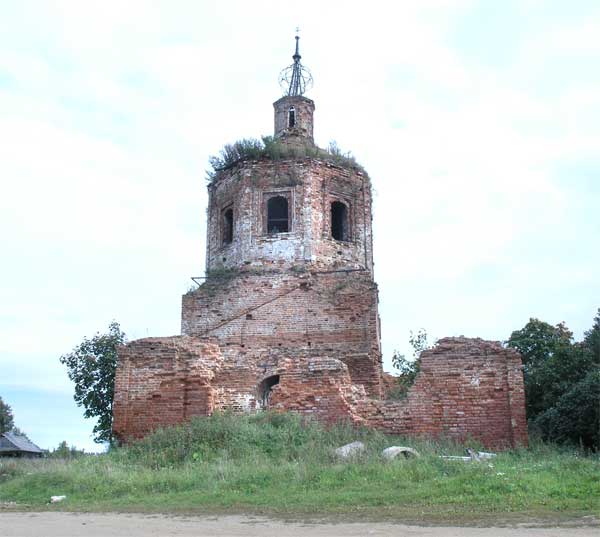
{"x": 321, "y": 387}
{"x": 311, "y": 185}
{"x": 467, "y": 389}
{"x": 161, "y": 382}
{"x": 303, "y": 108}
{"x": 290, "y": 319}
{"x": 334, "y": 314}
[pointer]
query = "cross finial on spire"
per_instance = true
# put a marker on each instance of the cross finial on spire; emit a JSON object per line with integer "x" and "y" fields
{"x": 296, "y": 78}
{"x": 297, "y": 40}
{"x": 296, "y": 55}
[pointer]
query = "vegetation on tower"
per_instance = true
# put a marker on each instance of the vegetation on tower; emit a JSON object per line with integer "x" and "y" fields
{"x": 271, "y": 148}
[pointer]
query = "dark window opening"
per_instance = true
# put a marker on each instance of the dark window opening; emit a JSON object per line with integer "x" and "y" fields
{"x": 277, "y": 215}
{"x": 227, "y": 226}
{"x": 339, "y": 221}
{"x": 265, "y": 390}
{"x": 292, "y": 118}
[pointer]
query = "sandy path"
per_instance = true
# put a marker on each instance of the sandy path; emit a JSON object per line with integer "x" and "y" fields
{"x": 126, "y": 525}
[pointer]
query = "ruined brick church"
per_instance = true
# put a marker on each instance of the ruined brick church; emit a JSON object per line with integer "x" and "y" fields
{"x": 287, "y": 317}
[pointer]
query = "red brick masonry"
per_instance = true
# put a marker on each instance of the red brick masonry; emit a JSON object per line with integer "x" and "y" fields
{"x": 288, "y": 316}
{"x": 467, "y": 388}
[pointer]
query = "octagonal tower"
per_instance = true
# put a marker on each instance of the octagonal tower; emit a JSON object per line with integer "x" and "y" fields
{"x": 298, "y": 212}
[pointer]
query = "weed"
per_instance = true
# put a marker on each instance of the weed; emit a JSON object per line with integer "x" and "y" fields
{"x": 273, "y": 149}
{"x": 284, "y": 462}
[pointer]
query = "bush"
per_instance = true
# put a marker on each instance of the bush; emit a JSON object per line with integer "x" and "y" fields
{"x": 64, "y": 451}
{"x": 562, "y": 381}
{"x": 575, "y": 415}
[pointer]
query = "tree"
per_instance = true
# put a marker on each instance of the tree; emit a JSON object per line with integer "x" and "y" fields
{"x": 591, "y": 339}
{"x": 562, "y": 381}
{"x": 91, "y": 366}
{"x": 6, "y": 417}
{"x": 408, "y": 368}
{"x": 538, "y": 342}
{"x": 575, "y": 417}
{"x": 63, "y": 451}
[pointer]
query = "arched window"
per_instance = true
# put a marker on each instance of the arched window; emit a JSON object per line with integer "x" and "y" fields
{"x": 291, "y": 117}
{"x": 339, "y": 221}
{"x": 277, "y": 215}
{"x": 227, "y": 224}
{"x": 264, "y": 390}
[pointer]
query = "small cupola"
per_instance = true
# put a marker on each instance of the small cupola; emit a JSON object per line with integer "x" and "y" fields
{"x": 294, "y": 112}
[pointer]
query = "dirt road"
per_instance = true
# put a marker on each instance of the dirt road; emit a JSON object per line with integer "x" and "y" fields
{"x": 130, "y": 525}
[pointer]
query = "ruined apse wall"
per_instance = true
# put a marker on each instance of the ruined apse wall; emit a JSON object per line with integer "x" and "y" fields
{"x": 467, "y": 389}
{"x": 161, "y": 382}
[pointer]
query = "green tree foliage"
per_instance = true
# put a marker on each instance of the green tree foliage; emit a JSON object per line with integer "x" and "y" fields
{"x": 408, "y": 368}
{"x": 63, "y": 451}
{"x": 6, "y": 417}
{"x": 539, "y": 344}
{"x": 91, "y": 366}
{"x": 591, "y": 339}
{"x": 562, "y": 381}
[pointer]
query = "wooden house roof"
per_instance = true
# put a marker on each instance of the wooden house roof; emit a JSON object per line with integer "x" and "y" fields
{"x": 10, "y": 443}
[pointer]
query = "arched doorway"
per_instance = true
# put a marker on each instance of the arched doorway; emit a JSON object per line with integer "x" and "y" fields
{"x": 264, "y": 391}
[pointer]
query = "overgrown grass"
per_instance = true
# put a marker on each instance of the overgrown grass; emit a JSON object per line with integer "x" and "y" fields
{"x": 273, "y": 149}
{"x": 279, "y": 463}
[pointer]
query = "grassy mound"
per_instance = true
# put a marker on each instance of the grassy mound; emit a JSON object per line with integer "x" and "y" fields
{"x": 281, "y": 463}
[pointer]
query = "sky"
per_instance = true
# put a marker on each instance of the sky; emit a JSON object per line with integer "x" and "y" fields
{"x": 478, "y": 122}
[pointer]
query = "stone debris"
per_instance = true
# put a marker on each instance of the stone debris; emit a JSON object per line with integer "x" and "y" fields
{"x": 479, "y": 455}
{"x": 350, "y": 450}
{"x": 472, "y": 455}
{"x": 455, "y": 458}
{"x": 392, "y": 452}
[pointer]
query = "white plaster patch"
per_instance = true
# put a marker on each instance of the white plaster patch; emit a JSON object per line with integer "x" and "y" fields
{"x": 245, "y": 401}
{"x": 325, "y": 364}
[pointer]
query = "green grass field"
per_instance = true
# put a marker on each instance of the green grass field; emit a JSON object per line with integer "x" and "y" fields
{"x": 280, "y": 464}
